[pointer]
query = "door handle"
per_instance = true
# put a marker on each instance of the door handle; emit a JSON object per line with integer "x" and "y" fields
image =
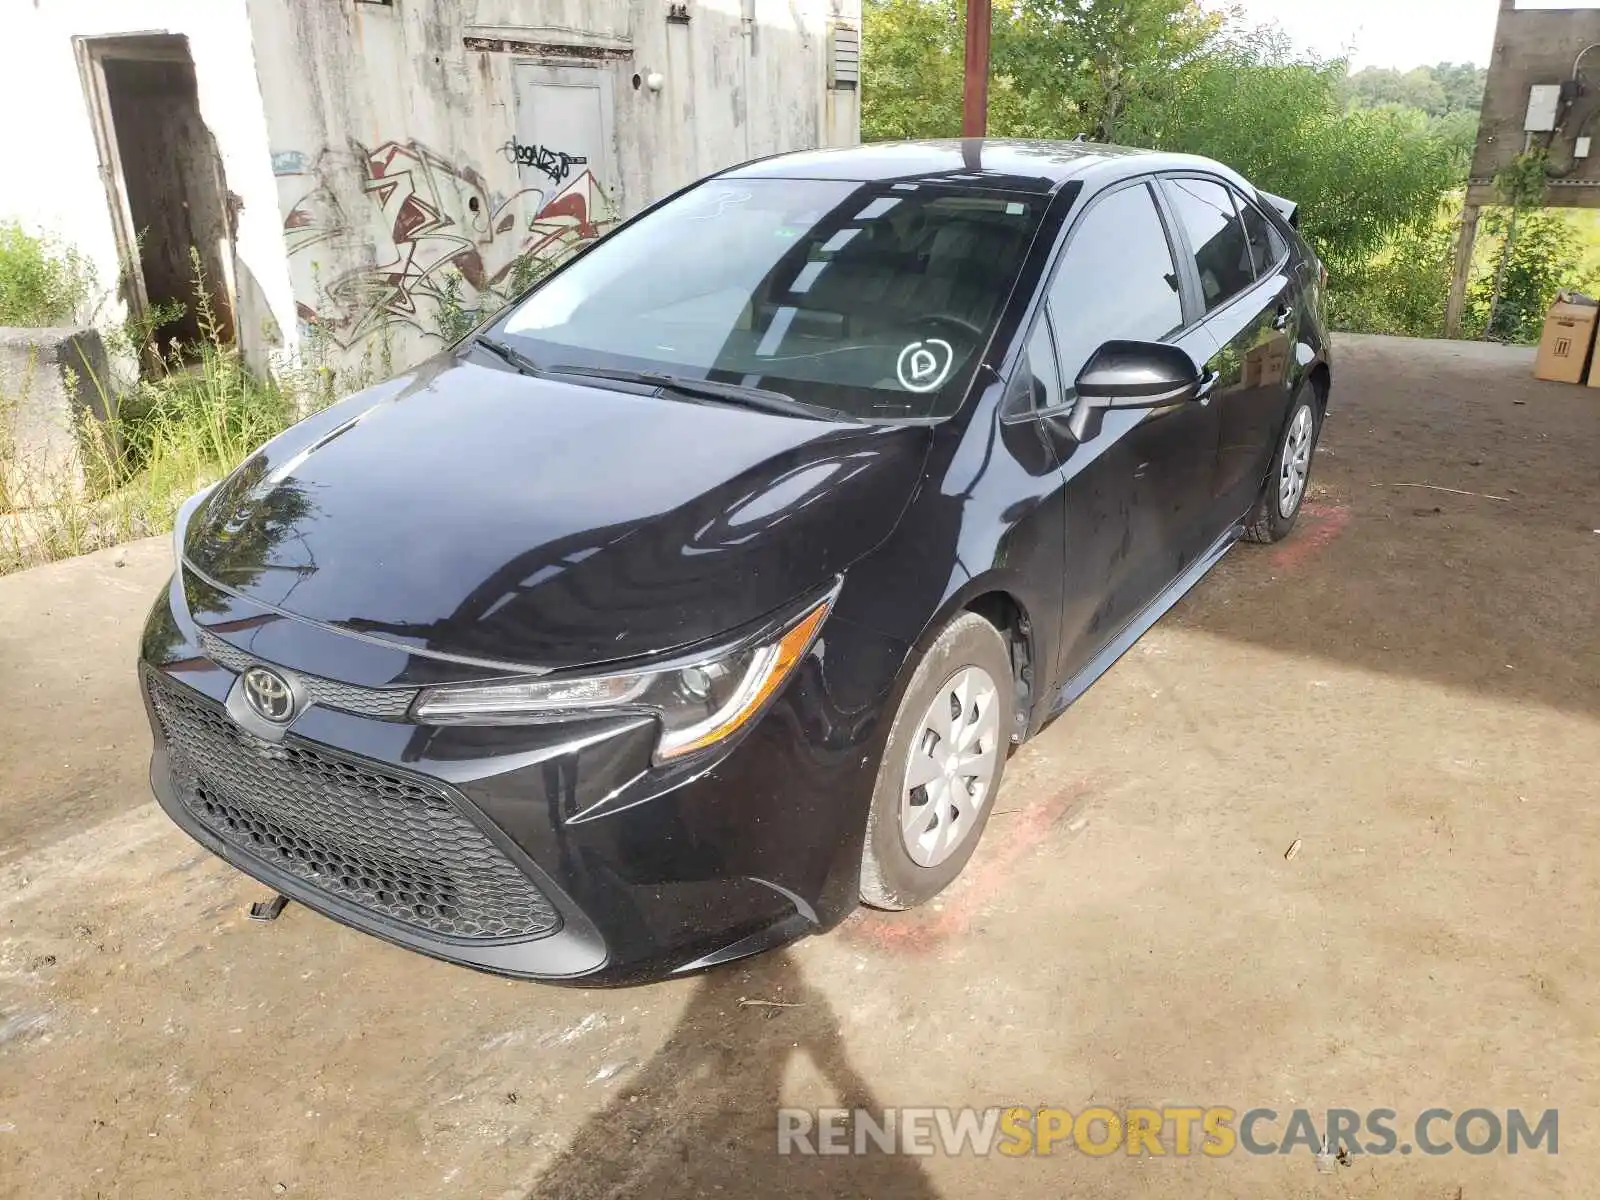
{"x": 1285, "y": 315}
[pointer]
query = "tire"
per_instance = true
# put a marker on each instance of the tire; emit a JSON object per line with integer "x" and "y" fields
{"x": 1268, "y": 522}
{"x": 915, "y": 849}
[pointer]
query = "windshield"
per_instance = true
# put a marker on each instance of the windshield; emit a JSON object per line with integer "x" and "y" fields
{"x": 872, "y": 299}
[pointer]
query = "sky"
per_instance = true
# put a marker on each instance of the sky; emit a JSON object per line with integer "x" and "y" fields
{"x": 1393, "y": 33}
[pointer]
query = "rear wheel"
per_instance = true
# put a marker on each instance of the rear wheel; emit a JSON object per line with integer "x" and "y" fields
{"x": 1275, "y": 512}
{"x": 941, "y": 766}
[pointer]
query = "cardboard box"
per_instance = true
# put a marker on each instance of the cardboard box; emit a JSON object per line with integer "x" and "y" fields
{"x": 1568, "y": 338}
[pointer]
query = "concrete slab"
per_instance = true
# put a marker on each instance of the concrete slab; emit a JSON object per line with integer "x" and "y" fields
{"x": 1408, "y": 689}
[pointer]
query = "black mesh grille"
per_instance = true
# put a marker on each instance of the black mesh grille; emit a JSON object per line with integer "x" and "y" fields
{"x": 394, "y": 845}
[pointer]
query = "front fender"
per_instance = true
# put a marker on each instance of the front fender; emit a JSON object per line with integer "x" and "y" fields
{"x": 985, "y": 530}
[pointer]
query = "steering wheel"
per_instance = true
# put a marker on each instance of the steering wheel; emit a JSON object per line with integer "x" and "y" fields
{"x": 975, "y": 333}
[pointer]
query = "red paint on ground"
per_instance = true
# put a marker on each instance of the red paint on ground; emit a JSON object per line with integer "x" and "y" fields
{"x": 1008, "y": 838}
{"x": 1319, "y": 524}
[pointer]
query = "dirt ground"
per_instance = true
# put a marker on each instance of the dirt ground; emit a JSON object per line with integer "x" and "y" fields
{"x": 1409, "y": 688}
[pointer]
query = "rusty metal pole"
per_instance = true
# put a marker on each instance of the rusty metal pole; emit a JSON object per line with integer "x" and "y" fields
{"x": 975, "y": 98}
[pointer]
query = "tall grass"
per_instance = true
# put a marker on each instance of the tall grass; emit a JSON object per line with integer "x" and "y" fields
{"x": 170, "y": 437}
{"x": 194, "y": 414}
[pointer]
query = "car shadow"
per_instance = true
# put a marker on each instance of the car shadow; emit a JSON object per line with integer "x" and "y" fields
{"x": 1449, "y": 536}
{"x": 700, "y": 1117}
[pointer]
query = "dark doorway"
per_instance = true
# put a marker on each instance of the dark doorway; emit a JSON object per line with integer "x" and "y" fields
{"x": 165, "y": 182}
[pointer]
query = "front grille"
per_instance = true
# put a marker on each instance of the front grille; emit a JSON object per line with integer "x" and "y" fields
{"x": 395, "y": 845}
{"x": 386, "y": 704}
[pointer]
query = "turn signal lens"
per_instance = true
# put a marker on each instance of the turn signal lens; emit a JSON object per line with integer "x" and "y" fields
{"x": 698, "y": 704}
{"x": 773, "y": 664}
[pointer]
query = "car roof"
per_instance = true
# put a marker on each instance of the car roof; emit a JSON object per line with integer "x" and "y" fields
{"x": 1014, "y": 165}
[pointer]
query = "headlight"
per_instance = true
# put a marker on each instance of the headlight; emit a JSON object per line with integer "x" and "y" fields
{"x": 698, "y": 702}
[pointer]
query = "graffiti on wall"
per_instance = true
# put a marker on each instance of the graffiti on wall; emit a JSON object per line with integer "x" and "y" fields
{"x": 556, "y": 165}
{"x": 381, "y": 250}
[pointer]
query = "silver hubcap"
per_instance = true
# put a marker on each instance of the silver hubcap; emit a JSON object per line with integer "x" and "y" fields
{"x": 952, "y": 767}
{"x": 1296, "y": 463}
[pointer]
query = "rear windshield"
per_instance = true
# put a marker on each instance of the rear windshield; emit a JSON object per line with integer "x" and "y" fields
{"x": 874, "y": 299}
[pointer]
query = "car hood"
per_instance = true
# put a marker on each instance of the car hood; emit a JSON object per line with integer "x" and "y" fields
{"x": 476, "y": 513}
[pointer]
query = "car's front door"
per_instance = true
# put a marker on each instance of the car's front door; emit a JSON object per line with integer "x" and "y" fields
{"x": 1248, "y": 295}
{"x": 1135, "y": 490}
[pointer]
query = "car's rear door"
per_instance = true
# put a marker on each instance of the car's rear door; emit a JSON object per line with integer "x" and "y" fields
{"x": 1242, "y": 267}
{"x": 1135, "y": 491}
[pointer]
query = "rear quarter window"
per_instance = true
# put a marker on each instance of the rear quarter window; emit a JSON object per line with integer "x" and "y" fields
{"x": 1267, "y": 246}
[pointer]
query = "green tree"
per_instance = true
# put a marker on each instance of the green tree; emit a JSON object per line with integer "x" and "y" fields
{"x": 1463, "y": 85}
{"x": 1457, "y": 132}
{"x": 1542, "y": 258}
{"x": 1437, "y": 91}
{"x": 912, "y": 57}
{"x": 1402, "y": 288}
{"x": 1279, "y": 118}
{"x": 1089, "y": 64}
{"x": 1368, "y": 156}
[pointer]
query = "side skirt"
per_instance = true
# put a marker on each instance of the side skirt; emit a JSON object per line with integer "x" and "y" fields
{"x": 1136, "y": 628}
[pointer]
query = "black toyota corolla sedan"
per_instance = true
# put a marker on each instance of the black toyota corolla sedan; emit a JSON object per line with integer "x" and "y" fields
{"x": 702, "y": 594}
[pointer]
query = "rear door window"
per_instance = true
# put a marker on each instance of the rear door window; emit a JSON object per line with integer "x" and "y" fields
{"x": 1217, "y": 237}
{"x": 1117, "y": 280}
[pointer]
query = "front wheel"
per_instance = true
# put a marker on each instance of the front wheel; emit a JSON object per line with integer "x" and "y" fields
{"x": 941, "y": 766}
{"x": 1275, "y": 512}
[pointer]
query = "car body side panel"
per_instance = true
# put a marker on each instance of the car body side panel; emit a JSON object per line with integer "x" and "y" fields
{"x": 1251, "y": 392}
{"x": 988, "y": 518}
{"x": 1263, "y": 359}
{"x": 1136, "y": 513}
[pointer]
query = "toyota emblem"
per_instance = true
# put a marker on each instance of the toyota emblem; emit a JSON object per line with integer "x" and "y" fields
{"x": 268, "y": 695}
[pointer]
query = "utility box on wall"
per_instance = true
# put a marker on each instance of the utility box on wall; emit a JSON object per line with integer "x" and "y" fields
{"x": 1542, "y": 95}
{"x": 1544, "y": 99}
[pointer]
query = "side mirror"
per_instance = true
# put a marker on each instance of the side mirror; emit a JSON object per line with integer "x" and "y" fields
{"x": 1133, "y": 375}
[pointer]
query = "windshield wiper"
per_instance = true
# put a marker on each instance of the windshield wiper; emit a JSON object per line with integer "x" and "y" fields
{"x": 759, "y": 399}
{"x": 515, "y": 358}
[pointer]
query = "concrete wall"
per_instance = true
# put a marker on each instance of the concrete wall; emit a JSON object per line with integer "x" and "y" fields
{"x": 1538, "y": 46}
{"x": 51, "y": 175}
{"x": 50, "y": 381}
{"x": 422, "y": 148}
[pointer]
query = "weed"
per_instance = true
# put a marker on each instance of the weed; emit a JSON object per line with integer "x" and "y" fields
{"x": 42, "y": 283}
{"x": 456, "y": 316}
{"x": 193, "y": 416}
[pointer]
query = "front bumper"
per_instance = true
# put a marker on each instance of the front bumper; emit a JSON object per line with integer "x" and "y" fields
{"x": 556, "y": 851}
